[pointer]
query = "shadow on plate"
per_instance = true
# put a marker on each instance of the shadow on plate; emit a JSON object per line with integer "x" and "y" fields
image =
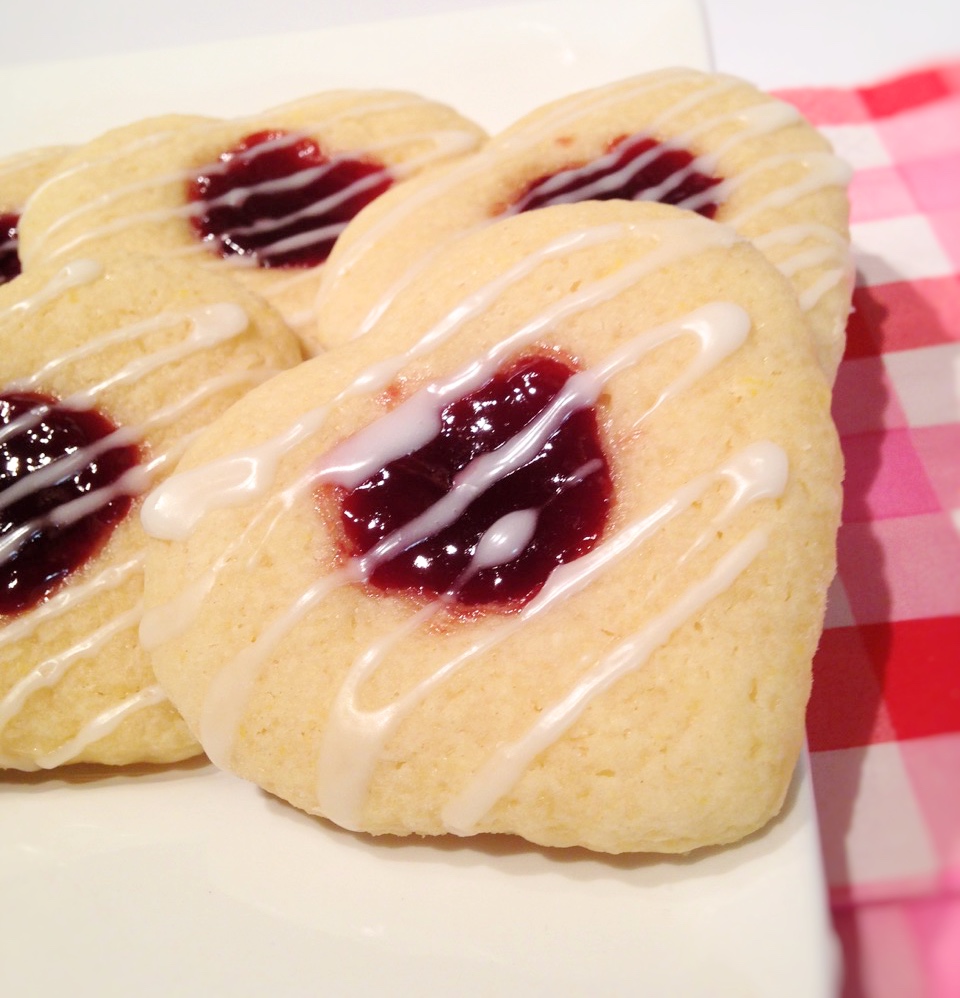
{"x": 88, "y": 772}
{"x": 518, "y": 855}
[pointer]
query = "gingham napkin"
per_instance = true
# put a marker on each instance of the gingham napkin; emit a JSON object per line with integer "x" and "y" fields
{"x": 884, "y": 721}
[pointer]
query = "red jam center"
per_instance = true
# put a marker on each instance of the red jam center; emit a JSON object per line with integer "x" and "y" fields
{"x": 35, "y": 431}
{"x": 9, "y": 258}
{"x": 567, "y": 487}
{"x": 277, "y": 199}
{"x": 636, "y": 168}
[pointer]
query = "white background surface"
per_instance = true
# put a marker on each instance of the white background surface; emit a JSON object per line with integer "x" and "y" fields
{"x": 771, "y": 43}
{"x": 180, "y": 883}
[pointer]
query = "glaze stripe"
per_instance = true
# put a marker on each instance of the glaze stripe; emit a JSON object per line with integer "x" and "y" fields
{"x": 51, "y": 670}
{"x": 102, "y": 725}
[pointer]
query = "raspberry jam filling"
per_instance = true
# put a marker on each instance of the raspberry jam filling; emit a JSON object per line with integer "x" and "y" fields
{"x": 9, "y": 259}
{"x": 277, "y": 199}
{"x": 634, "y": 168}
{"x": 506, "y": 542}
{"x": 42, "y": 538}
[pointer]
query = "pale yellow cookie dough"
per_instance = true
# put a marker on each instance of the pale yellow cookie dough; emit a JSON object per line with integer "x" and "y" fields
{"x": 256, "y": 636}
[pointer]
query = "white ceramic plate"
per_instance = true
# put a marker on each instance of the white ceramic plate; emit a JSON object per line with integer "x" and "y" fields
{"x": 189, "y": 882}
{"x": 491, "y": 63}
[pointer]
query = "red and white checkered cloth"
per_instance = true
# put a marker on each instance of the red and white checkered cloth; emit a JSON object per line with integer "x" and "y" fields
{"x": 884, "y": 721}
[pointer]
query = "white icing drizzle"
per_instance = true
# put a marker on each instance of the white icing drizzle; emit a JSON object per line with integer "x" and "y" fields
{"x": 100, "y": 726}
{"x": 446, "y": 143}
{"x": 830, "y": 247}
{"x": 816, "y": 256}
{"x": 811, "y": 296}
{"x": 68, "y": 465}
{"x": 18, "y": 628}
{"x": 74, "y": 274}
{"x": 51, "y": 670}
{"x": 823, "y": 170}
{"x": 165, "y": 623}
{"x": 106, "y": 197}
{"x": 237, "y": 196}
{"x": 829, "y": 278}
{"x": 173, "y": 510}
{"x": 25, "y": 160}
{"x": 130, "y": 148}
{"x": 208, "y": 325}
{"x": 420, "y": 264}
{"x": 507, "y": 538}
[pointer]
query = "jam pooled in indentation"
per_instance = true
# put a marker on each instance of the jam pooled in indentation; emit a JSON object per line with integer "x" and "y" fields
{"x": 517, "y": 530}
{"x": 43, "y": 538}
{"x": 9, "y": 245}
{"x": 634, "y": 168}
{"x": 278, "y": 200}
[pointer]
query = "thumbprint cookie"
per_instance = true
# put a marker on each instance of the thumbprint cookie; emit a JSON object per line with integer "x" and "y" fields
{"x": 107, "y": 372}
{"x": 708, "y": 143}
{"x": 265, "y": 196}
{"x": 545, "y": 553}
